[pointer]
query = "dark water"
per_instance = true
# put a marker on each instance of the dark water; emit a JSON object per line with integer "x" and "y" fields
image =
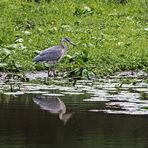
{"x": 23, "y": 124}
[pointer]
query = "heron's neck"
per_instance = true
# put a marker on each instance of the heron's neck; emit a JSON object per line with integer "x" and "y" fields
{"x": 63, "y": 110}
{"x": 63, "y": 44}
{"x": 61, "y": 116}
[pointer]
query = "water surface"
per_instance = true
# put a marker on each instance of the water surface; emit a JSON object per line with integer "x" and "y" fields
{"x": 100, "y": 114}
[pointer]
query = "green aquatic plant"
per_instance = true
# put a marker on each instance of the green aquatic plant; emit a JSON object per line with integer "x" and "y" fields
{"x": 78, "y": 66}
{"x": 8, "y": 60}
{"x": 146, "y": 107}
{"x": 144, "y": 96}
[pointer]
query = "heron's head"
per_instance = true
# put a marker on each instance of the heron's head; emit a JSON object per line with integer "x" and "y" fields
{"x": 65, "y": 117}
{"x": 66, "y": 39}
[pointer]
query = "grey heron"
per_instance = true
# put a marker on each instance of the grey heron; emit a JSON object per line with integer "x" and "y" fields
{"x": 53, "y": 54}
{"x": 54, "y": 105}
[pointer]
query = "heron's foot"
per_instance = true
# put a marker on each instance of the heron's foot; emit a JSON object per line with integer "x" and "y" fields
{"x": 52, "y": 74}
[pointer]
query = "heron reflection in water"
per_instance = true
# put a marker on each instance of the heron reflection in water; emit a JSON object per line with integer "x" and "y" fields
{"x": 54, "y": 105}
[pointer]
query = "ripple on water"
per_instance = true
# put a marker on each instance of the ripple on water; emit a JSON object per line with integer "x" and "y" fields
{"x": 96, "y": 99}
{"x": 123, "y": 96}
{"x": 133, "y": 112}
{"x": 72, "y": 93}
{"x": 17, "y": 93}
{"x": 57, "y": 95}
{"x": 119, "y": 98}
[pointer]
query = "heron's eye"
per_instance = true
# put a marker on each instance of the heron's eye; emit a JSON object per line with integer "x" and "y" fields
{"x": 67, "y": 39}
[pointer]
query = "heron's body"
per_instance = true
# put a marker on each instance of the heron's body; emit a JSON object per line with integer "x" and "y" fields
{"x": 50, "y": 103}
{"x": 53, "y": 54}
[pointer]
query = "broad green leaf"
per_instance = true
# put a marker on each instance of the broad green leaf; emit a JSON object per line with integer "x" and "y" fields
{"x": 6, "y": 51}
{"x": 3, "y": 65}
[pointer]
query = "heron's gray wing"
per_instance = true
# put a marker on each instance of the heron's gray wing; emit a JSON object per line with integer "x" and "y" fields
{"x": 50, "y": 50}
{"x": 52, "y": 104}
{"x": 51, "y": 54}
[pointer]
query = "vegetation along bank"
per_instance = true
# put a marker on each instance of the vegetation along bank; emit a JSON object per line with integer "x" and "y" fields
{"x": 110, "y": 35}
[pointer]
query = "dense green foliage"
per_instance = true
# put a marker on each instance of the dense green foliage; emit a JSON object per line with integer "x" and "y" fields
{"x": 111, "y": 35}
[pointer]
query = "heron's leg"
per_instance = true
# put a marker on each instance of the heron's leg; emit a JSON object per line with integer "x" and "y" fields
{"x": 49, "y": 71}
{"x": 54, "y": 72}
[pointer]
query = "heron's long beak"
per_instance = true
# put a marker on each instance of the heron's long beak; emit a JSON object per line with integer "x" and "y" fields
{"x": 72, "y": 43}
